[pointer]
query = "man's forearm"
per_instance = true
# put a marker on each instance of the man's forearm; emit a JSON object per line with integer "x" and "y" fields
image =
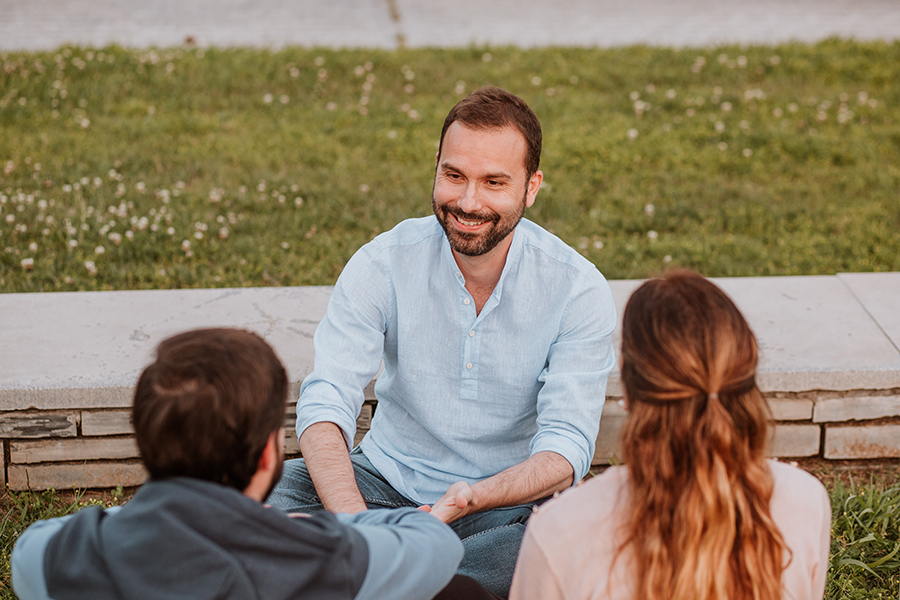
{"x": 538, "y": 477}
{"x": 328, "y": 462}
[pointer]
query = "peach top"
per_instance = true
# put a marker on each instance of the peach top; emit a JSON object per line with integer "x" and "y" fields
{"x": 570, "y": 541}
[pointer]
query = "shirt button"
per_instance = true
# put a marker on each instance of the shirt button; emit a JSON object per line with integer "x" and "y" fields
{"x": 469, "y": 365}
{"x": 472, "y": 333}
{"x": 467, "y": 302}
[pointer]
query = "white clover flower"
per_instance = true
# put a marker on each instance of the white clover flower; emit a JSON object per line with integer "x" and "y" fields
{"x": 27, "y": 263}
{"x": 285, "y": 245}
{"x": 99, "y": 250}
{"x": 649, "y": 210}
{"x": 652, "y": 235}
{"x": 598, "y": 245}
{"x": 747, "y": 152}
{"x": 91, "y": 267}
{"x": 33, "y": 247}
{"x": 632, "y": 134}
{"x": 115, "y": 238}
{"x": 364, "y": 188}
{"x": 223, "y": 232}
{"x": 186, "y": 245}
{"x": 267, "y": 98}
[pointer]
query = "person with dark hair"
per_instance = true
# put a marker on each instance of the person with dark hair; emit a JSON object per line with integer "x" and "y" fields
{"x": 208, "y": 416}
{"x": 696, "y": 512}
{"x": 496, "y": 342}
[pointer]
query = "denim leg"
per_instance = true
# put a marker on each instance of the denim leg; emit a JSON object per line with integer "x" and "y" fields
{"x": 295, "y": 491}
{"x": 491, "y": 541}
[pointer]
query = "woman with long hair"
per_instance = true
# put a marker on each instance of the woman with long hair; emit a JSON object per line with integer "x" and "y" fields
{"x": 697, "y": 512}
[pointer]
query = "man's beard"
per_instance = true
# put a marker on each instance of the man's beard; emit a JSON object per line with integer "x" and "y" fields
{"x": 477, "y": 244}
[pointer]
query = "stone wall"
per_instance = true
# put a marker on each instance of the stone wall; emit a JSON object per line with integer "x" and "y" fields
{"x": 830, "y": 366}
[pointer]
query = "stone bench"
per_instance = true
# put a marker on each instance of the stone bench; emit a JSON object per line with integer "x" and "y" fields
{"x": 830, "y": 366}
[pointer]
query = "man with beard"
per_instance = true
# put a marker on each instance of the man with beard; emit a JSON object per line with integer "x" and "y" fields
{"x": 496, "y": 341}
{"x": 208, "y": 417}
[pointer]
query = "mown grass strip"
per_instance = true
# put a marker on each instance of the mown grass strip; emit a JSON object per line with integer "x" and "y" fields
{"x": 184, "y": 167}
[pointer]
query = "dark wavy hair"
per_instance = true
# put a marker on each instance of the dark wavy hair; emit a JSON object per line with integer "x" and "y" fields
{"x": 208, "y": 404}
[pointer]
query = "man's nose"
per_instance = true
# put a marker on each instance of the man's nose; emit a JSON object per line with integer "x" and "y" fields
{"x": 470, "y": 201}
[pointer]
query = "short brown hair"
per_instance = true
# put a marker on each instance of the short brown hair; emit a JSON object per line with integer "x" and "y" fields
{"x": 492, "y": 107}
{"x": 208, "y": 404}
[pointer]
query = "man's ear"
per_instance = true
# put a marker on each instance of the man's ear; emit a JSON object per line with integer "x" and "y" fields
{"x": 266, "y": 467}
{"x": 269, "y": 456}
{"x": 534, "y": 184}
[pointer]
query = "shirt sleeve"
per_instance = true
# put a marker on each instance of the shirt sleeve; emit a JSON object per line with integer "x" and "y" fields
{"x": 411, "y": 553}
{"x": 348, "y": 345}
{"x": 27, "y": 563}
{"x": 534, "y": 578}
{"x": 574, "y": 381}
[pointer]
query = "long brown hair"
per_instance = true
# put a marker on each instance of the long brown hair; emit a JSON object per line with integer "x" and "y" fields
{"x": 694, "y": 443}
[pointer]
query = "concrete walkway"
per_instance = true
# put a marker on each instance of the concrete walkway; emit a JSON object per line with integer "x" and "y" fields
{"x": 47, "y": 24}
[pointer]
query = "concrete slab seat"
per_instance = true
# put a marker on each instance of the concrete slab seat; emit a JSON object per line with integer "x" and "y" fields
{"x": 830, "y": 366}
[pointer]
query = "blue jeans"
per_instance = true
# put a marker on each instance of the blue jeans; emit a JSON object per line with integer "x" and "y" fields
{"x": 491, "y": 539}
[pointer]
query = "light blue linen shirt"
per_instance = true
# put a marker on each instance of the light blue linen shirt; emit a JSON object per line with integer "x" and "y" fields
{"x": 463, "y": 396}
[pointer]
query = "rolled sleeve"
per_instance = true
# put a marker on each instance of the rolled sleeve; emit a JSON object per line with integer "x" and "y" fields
{"x": 579, "y": 362}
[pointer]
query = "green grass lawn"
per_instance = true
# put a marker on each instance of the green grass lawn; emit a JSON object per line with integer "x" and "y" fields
{"x": 865, "y": 537}
{"x": 185, "y": 167}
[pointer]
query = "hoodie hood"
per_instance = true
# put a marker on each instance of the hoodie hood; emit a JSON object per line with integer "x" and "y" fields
{"x": 188, "y": 539}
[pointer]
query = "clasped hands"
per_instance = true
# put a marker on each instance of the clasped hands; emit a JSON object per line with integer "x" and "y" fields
{"x": 457, "y": 502}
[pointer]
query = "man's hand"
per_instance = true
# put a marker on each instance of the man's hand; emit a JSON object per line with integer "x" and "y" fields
{"x": 457, "y": 502}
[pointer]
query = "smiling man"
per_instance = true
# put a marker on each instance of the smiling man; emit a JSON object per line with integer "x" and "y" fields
{"x": 496, "y": 342}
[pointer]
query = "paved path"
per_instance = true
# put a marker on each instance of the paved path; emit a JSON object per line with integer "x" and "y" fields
{"x": 47, "y": 24}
